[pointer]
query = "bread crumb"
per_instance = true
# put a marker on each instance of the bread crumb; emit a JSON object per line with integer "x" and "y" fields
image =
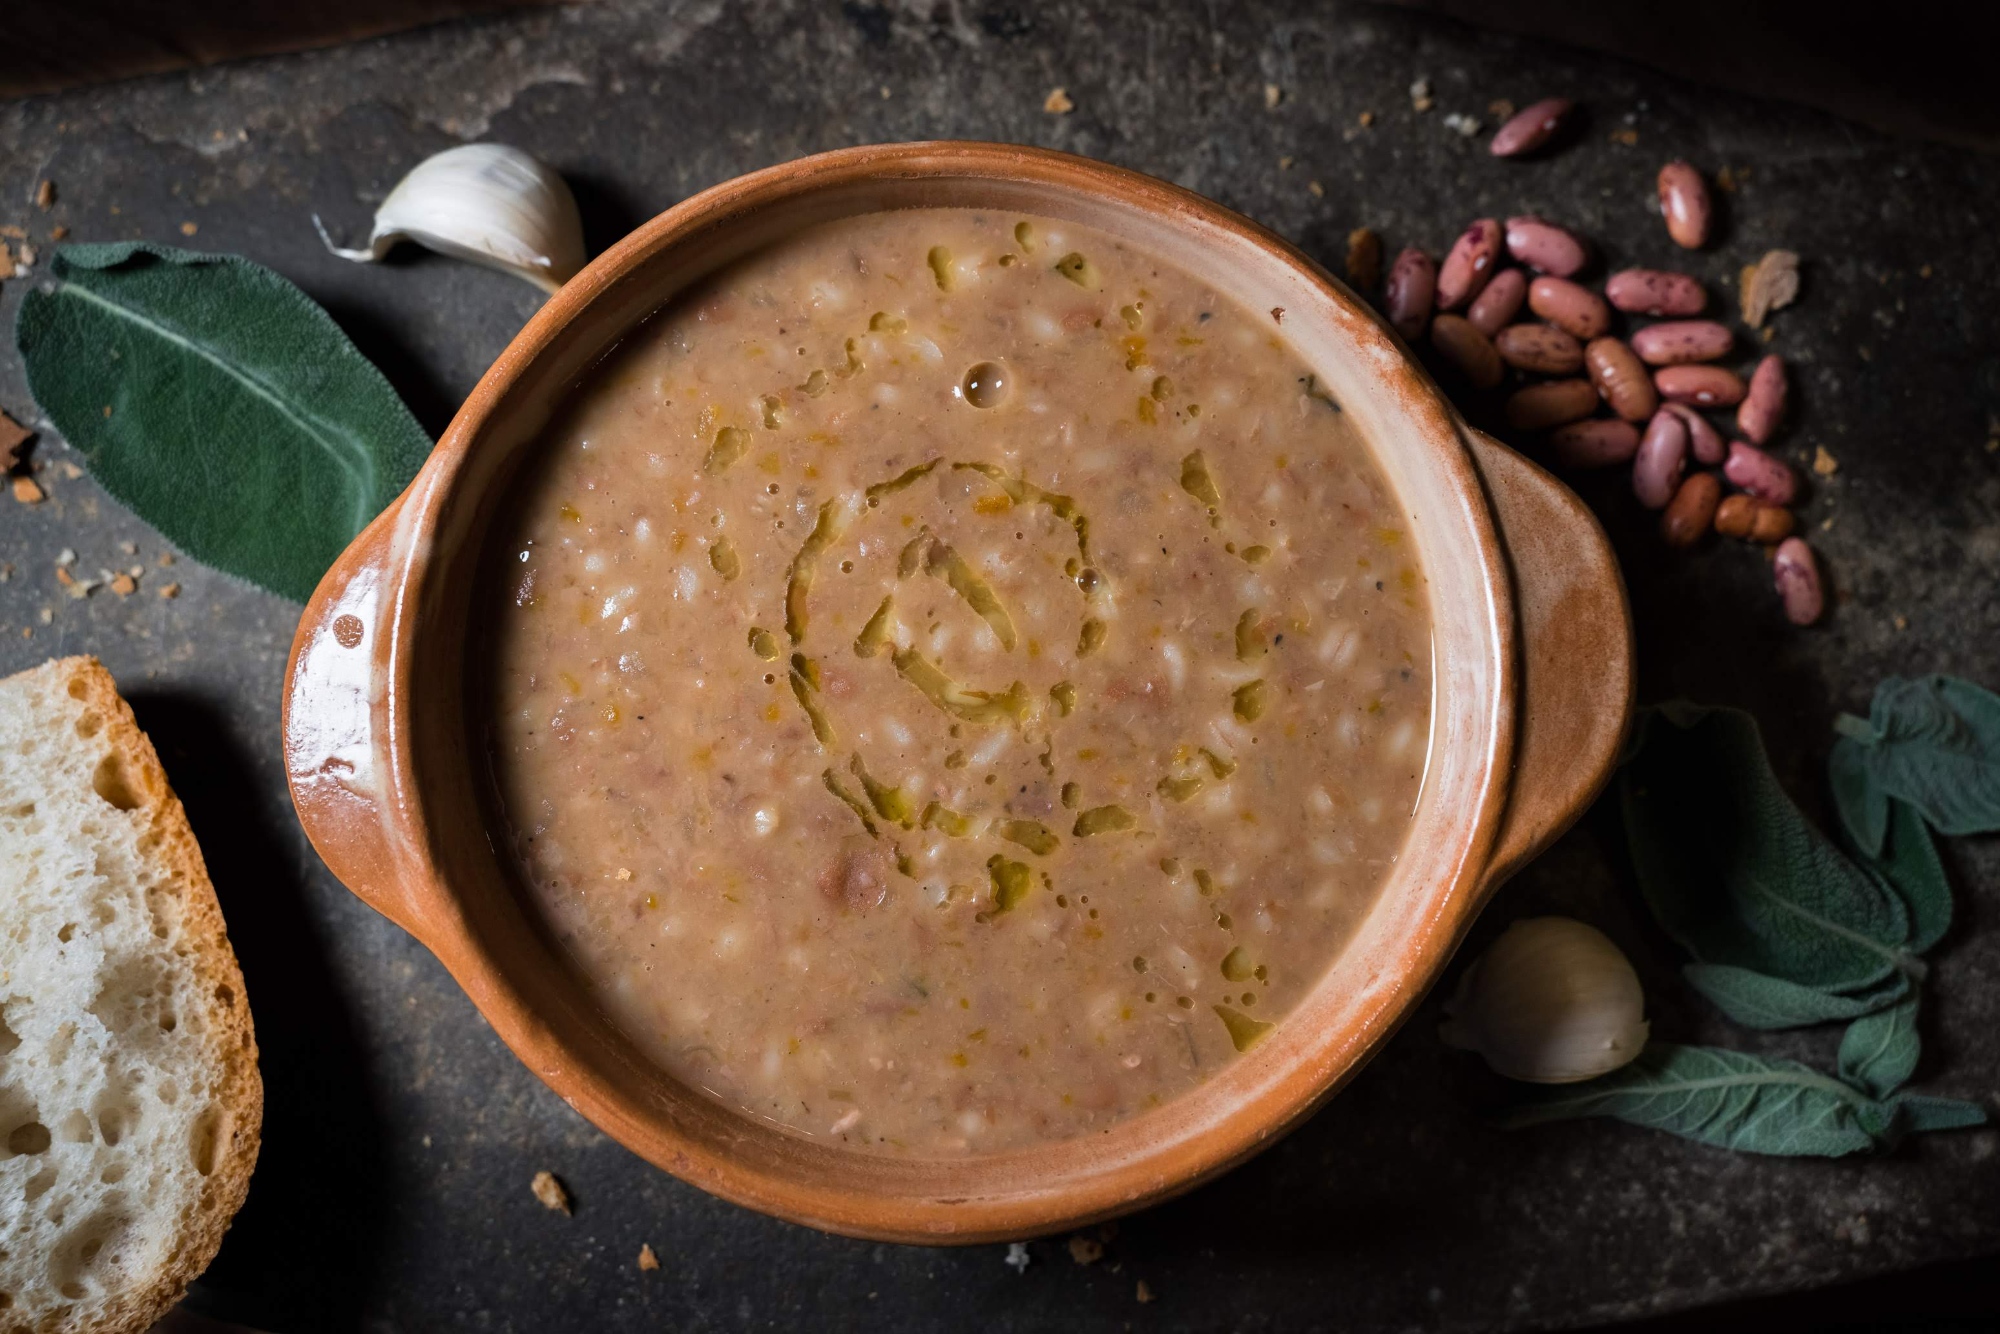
{"x": 1902, "y": 622}
{"x": 1315, "y": 189}
{"x": 45, "y": 195}
{"x": 27, "y": 491}
{"x": 189, "y": 229}
{"x": 1825, "y": 464}
{"x": 1058, "y": 103}
{"x": 623, "y": 873}
{"x": 1625, "y": 135}
{"x": 166, "y": 558}
{"x": 1085, "y": 1250}
{"x": 59, "y": 232}
{"x": 550, "y": 1192}
{"x": 1772, "y": 283}
{"x": 1366, "y": 119}
{"x": 1277, "y": 314}
{"x": 129, "y": 548}
{"x": 170, "y": 590}
{"x": 6, "y": 261}
{"x": 1500, "y": 108}
{"x": 1273, "y": 95}
{"x": 124, "y": 585}
{"x": 647, "y": 1260}
{"x": 12, "y": 436}
{"x": 1145, "y": 1292}
{"x": 1420, "y": 95}
{"x": 1924, "y": 272}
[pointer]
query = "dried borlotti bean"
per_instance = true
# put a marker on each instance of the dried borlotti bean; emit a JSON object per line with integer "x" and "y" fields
{"x": 1411, "y": 290}
{"x": 1703, "y": 439}
{"x": 1678, "y": 342}
{"x": 1660, "y": 462}
{"x": 1540, "y": 406}
{"x": 1595, "y": 443}
{"x": 1545, "y": 247}
{"x": 1531, "y": 127}
{"x": 1701, "y": 386}
{"x": 1495, "y": 308}
{"x": 1541, "y": 348}
{"x": 1469, "y": 264}
{"x": 1569, "y": 306}
{"x": 1621, "y": 381}
{"x": 1469, "y": 351}
{"x": 1769, "y": 479}
{"x": 1655, "y": 292}
{"x": 1751, "y": 519}
{"x": 1796, "y": 573}
{"x": 1763, "y": 405}
{"x": 1685, "y": 204}
{"x": 1691, "y": 510}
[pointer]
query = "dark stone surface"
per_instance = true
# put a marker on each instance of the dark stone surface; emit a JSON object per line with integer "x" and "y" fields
{"x": 401, "y": 1134}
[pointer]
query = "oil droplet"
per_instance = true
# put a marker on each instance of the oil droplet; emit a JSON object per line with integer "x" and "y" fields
{"x": 986, "y": 385}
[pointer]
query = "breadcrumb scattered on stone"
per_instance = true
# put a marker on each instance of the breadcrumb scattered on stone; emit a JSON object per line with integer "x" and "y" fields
{"x": 1058, "y": 103}
{"x": 550, "y": 1192}
{"x": 647, "y": 1260}
{"x": 1085, "y": 1250}
{"x": 1273, "y": 95}
{"x": 1825, "y": 464}
{"x": 1145, "y": 1292}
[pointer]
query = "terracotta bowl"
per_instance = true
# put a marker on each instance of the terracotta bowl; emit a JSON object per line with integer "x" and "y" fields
{"x": 1533, "y": 667}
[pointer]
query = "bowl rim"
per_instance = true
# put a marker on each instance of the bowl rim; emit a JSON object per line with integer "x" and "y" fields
{"x": 1126, "y": 1184}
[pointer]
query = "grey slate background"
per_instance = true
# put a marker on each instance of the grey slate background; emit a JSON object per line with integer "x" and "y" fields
{"x": 401, "y": 1135}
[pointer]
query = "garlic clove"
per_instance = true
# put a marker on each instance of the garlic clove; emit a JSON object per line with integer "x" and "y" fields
{"x": 1552, "y": 1001}
{"x": 488, "y": 203}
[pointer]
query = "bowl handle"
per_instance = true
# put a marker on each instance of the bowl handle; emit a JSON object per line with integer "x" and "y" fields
{"x": 1576, "y": 653}
{"x": 338, "y": 751}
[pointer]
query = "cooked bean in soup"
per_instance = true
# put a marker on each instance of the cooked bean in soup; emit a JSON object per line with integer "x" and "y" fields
{"x": 957, "y": 682}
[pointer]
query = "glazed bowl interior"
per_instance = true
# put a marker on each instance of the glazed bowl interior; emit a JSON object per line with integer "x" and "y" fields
{"x": 509, "y": 964}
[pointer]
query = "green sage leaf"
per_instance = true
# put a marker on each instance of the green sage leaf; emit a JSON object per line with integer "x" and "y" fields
{"x": 1935, "y": 743}
{"x": 1734, "y": 871}
{"x": 220, "y": 404}
{"x": 1859, "y": 801}
{"x": 1879, "y": 1051}
{"x": 1907, "y": 861}
{"x": 1759, "y": 1001}
{"x": 1725, "y": 1098}
{"x": 1917, "y": 1112}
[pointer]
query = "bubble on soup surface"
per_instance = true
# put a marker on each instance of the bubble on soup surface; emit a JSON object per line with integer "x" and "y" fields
{"x": 986, "y": 385}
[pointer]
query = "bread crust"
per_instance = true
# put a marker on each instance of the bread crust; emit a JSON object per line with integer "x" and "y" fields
{"x": 239, "y": 1086}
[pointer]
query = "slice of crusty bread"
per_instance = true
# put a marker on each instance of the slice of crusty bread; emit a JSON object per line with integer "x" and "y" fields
{"x": 130, "y": 1102}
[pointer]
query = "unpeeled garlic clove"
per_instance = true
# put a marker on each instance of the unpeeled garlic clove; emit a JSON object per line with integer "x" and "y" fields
{"x": 1552, "y": 1001}
{"x": 488, "y": 203}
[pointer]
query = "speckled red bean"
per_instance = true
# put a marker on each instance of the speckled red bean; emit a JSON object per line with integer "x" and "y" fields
{"x": 1701, "y": 386}
{"x": 1594, "y": 443}
{"x": 1411, "y": 288}
{"x": 1469, "y": 265}
{"x": 1541, "y": 348}
{"x": 1661, "y": 459}
{"x": 1545, "y": 247}
{"x": 1691, "y": 510}
{"x": 1684, "y": 203}
{"x": 1495, "y": 308}
{"x": 1569, "y": 306}
{"x": 1655, "y": 292}
{"x": 1763, "y": 404}
{"x": 1553, "y": 403}
{"x": 1796, "y": 573}
{"x": 1678, "y": 342}
{"x": 1530, "y": 127}
{"x": 1750, "y": 469}
{"x": 1468, "y": 350}
{"x": 1621, "y": 381}
{"x": 1703, "y": 439}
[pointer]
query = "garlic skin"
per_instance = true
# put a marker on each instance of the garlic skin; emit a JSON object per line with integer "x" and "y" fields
{"x": 1552, "y": 1001}
{"x": 488, "y": 203}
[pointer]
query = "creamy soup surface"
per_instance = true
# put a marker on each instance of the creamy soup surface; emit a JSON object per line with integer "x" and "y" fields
{"x": 957, "y": 682}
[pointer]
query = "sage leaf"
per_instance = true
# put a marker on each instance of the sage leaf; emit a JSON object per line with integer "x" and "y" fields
{"x": 220, "y": 404}
{"x": 1907, "y": 861}
{"x": 1756, "y": 1000}
{"x": 1879, "y": 1051}
{"x": 1859, "y": 801}
{"x": 1725, "y": 1098}
{"x": 1935, "y": 743}
{"x": 1918, "y": 1112}
{"x": 1735, "y": 873}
